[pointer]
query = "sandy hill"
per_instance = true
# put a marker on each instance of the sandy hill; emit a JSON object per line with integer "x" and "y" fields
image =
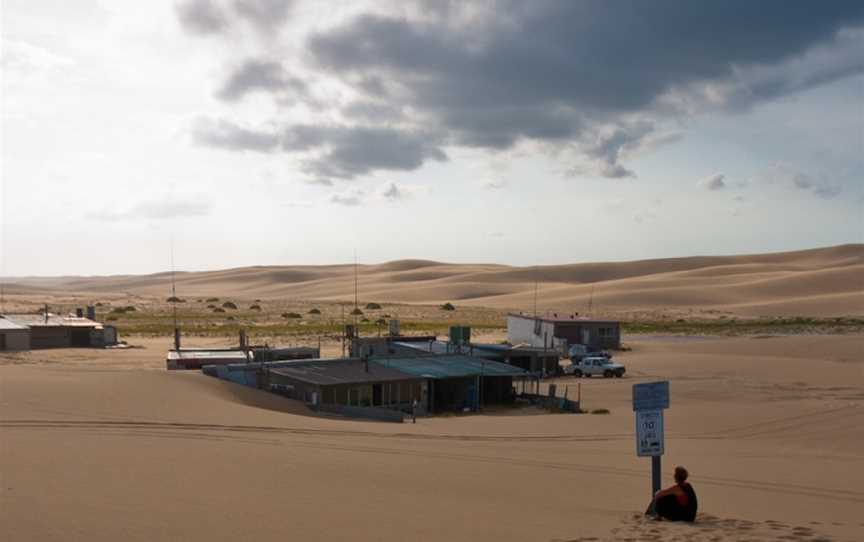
{"x": 818, "y": 282}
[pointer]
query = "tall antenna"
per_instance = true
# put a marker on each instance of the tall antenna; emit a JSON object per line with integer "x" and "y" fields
{"x": 536, "y": 289}
{"x": 174, "y": 299}
{"x": 590, "y": 300}
{"x": 355, "y": 281}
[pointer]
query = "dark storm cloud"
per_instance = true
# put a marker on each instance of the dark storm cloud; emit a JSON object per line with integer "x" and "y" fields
{"x": 592, "y": 77}
{"x": 255, "y": 75}
{"x": 350, "y": 152}
{"x": 544, "y": 69}
{"x": 201, "y": 16}
{"x": 339, "y": 152}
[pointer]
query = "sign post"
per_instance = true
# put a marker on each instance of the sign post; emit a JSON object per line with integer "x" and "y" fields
{"x": 649, "y": 402}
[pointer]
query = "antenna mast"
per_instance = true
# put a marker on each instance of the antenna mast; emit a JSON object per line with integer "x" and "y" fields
{"x": 174, "y": 300}
{"x": 536, "y": 288}
{"x": 590, "y": 300}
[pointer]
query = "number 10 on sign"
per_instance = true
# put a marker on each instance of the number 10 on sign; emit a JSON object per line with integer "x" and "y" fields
{"x": 649, "y": 432}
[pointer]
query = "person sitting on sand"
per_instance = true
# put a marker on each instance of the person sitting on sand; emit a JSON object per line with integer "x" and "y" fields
{"x": 676, "y": 503}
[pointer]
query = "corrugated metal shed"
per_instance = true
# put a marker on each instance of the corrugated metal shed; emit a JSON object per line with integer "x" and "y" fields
{"x": 453, "y": 366}
{"x": 343, "y": 371}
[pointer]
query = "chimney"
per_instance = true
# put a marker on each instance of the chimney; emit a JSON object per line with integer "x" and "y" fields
{"x": 79, "y": 312}
{"x": 91, "y": 312}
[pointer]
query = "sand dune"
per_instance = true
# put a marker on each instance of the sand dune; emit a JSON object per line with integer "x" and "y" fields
{"x": 819, "y": 282}
{"x": 105, "y": 446}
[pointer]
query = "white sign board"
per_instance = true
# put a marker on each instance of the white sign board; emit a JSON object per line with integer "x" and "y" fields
{"x": 649, "y": 432}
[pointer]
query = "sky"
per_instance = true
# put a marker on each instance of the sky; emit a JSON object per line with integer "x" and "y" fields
{"x": 271, "y": 132}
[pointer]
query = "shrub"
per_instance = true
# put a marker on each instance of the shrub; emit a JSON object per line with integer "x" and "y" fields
{"x": 291, "y": 315}
{"x": 255, "y": 308}
{"x": 381, "y": 322}
{"x": 175, "y": 299}
{"x": 230, "y": 318}
{"x": 600, "y": 411}
{"x": 313, "y": 310}
{"x": 218, "y": 309}
{"x": 229, "y": 305}
{"x": 118, "y": 310}
{"x": 357, "y": 312}
{"x": 364, "y": 321}
{"x": 130, "y": 308}
{"x": 112, "y": 318}
{"x": 98, "y": 304}
{"x": 385, "y": 316}
{"x": 211, "y": 306}
{"x": 448, "y": 307}
{"x": 212, "y": 299}
{"x": 373, "y": 306}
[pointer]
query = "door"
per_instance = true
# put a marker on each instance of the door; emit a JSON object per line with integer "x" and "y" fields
{"x": 376, "y": 395}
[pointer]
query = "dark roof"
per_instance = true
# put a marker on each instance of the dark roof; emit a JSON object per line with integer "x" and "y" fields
{"x": 449, "y": 366}
{"x": 564, "y": 319}
{"x": 343, "y": 371}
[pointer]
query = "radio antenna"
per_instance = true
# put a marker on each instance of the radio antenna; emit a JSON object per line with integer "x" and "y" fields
{"x": 174, "y": 299}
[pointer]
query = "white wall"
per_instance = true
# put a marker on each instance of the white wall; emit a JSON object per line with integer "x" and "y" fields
{"x": 521, "y": 330}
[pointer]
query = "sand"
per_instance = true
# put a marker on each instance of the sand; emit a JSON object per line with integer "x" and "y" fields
{"x": 106, "y": 446}
{"x": 820, "y": 282}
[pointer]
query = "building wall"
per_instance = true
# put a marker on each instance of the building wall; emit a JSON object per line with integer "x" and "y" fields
{"x": 532, "y": 332}
{"x": 49, "y": 337}
{"x": 15, "y": 339}
{"x": 601, "y": 334}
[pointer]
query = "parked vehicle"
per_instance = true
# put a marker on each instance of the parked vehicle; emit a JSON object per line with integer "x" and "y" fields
{"x": 595, "y": 365}
{"x": 579, "y": 351}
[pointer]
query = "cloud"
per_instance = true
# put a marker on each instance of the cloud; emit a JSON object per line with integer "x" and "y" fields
{"x": 714, "y": 182}
{"x": 392, "y": 192}
{"x": 352, "y": 198}
{"x": 265, "y": 76}
{"x": 207, "y": 17}
{"x": 786, "y": 176}
{"x": 201, "y": 16}
{"x": 167, "y": 208}
{"x": 267, "y": 15}
{"x": 597, "y": 83}
{"x": 226, "y": 135}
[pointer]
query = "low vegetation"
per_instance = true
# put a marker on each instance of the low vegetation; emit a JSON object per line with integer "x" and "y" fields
{"x": 255, "y": 307}
{"x": 448, "y": 307}
{"x": 314, "y": 310}
{"x": 373, "y": 306}
{"x": 229, "y": 305}
{"x": 175, "y": 299}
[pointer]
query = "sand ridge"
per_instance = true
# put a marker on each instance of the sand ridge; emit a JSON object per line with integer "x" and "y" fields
{"x": 819, "y": 282}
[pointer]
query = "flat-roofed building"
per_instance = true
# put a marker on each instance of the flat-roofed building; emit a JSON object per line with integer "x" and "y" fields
{"x": 13, "y": 336}
{"x": 559, "y": 332}
{"x": 54, "y": 331}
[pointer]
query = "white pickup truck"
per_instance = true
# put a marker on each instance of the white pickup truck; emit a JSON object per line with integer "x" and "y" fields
{"x": 591, "y": 366}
